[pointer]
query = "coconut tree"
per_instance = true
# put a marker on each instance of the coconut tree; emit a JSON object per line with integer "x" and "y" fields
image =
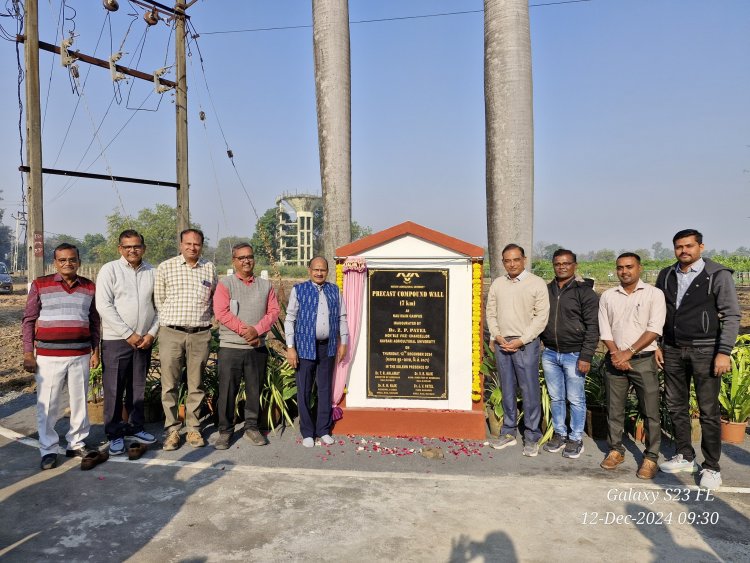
{"x": 509, "y": 127}
{"x": 333, "y": 100}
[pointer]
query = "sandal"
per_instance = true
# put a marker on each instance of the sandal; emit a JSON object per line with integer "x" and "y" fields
{"x": 136, "y": 450}
{"x": 92, "y": 459}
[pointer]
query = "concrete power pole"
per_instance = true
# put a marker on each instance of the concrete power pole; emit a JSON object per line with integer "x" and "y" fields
{"x": 35, "y": 224}
{"x": 509, "y": 128}
{"x": 183, "y": 194}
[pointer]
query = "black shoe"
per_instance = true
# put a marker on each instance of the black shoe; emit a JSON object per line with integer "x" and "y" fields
{"x": 222, "y": 442}
{"x": 49, "y": 461}
{"x": 78, "y": 452}
{"x": 573, "y": 449}
{"x": 555, "y": 444}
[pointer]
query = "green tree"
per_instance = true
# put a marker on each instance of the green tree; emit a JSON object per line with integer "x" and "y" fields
{"x": 91, "y": 245}
{"x": 661, "y": 253}
{"x": 51, "y": 242}
{"x": 158, "y": 227}
{"x": 264, "y": 239}
{"x": 604, "y": 255}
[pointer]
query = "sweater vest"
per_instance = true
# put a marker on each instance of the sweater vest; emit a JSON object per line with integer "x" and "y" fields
{"x": 248, "y": 303}
{"x": 307, "y": 316}
{"x": 63, "y": 325}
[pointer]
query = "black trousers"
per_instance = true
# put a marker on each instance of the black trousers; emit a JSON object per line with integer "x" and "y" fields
{"x": 644, "y": 378}
{"x": 320, "y": 371}
{"x": 680, "y": 366}
{"x": 236, "y": 364}
{"x": 124, "y": 372}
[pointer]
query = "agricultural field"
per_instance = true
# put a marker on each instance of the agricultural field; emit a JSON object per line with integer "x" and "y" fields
{"x": 14, "y": 380}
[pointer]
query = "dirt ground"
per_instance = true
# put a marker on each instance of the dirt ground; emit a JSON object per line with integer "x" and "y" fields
{"x": 14, "y": 379}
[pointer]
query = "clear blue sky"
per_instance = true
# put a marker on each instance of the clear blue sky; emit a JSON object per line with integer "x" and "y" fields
{"x": 641, "y": 118}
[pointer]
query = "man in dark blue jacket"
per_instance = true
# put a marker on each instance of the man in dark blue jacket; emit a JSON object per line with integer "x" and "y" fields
{"x": 703, "y": 319}
{"x": 570, "y": 340}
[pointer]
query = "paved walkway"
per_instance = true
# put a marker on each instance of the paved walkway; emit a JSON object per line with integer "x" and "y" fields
{"x": 368, "y": 499}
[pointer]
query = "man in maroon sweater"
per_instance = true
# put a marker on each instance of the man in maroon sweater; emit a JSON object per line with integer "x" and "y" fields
{"x": 61, "y": 322}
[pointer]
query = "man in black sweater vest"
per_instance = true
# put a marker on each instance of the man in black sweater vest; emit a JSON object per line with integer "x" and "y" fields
{"x": 703, "y": 319}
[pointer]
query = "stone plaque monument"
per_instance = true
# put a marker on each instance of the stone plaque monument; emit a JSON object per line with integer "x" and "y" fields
{"x": 413, "y": 356}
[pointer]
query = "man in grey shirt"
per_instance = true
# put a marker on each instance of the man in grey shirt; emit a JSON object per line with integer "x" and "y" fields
{"x": 316, "y": 338}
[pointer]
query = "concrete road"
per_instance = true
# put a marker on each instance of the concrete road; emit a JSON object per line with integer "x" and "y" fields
{"x": 366, "y": 499}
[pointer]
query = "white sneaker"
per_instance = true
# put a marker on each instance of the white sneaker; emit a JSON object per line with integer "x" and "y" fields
{"x": 710, "y": 479}
{"x": 117, "y": 446}
{"x": 308, "y": 442}
{"x": 142, "y": 436}
{"x": 327, "y": 440}
{"x": 679, "y": 464}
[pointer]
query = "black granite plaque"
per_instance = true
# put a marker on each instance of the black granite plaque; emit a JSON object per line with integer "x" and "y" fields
{"x": 407, "y": 328}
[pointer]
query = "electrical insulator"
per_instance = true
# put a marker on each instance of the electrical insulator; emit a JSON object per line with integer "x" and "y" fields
{"x": 202, "y": 115}
{"x": 152, "y": 17}
{"x": 111, "y": 5}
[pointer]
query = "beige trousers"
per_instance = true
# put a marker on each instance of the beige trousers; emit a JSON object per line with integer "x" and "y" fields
{"x": 180, "y": 351}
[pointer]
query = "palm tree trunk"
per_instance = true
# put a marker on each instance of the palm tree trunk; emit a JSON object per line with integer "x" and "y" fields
{"x": 333, "y": 97}
{"x": 509, "y": 128}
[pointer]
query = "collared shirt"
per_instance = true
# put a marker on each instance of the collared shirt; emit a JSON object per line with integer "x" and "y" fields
{"x": 684, "y": 279}
{"x": 233, "y": 322}
{"x": 125, "y": 299}
{"x": 321, "y": 320}
{"x": 519, "y": 278}
{"x": 624, "y": 317}
{"x": 183, "y": 293}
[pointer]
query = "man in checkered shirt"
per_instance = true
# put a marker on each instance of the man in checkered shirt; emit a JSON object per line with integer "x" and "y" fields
{"x": 183, "y": 294}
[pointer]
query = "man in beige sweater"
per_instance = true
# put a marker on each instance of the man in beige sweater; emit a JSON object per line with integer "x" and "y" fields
{"x": 517, "y": 312}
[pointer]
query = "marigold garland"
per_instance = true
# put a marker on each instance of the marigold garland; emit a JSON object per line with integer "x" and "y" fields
{"x": 340, "y": 276}
{"x": 476, "y": 331}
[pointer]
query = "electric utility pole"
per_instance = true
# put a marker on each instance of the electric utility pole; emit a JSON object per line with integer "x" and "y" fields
{"x": 183, "y": 197}
{"x": 35, "y": 224}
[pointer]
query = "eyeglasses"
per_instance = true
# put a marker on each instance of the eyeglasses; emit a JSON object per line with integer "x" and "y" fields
{"x": 66, "y": 260}
{"x": 136, "y": 247}
{"x": 562, "y": 264}
{"x": 249, "y": 258}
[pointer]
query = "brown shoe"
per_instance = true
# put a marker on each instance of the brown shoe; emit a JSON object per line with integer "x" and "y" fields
{"x": 195, "y": 439}
{"x": 256, "y": 438}
{"x": 172, "y": 441}
{"x": 613, "y": 459}
{"x": 647, "y": 470}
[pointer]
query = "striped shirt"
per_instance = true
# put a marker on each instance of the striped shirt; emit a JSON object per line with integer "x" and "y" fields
{"x": 183, "y": 293}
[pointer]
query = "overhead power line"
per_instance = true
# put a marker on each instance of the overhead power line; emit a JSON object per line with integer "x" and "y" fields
{"x": 380, "y": 20}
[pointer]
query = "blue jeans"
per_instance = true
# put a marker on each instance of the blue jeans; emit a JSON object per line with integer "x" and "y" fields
{"x": 521, "y": 370}
{"x": 565, "y": 381}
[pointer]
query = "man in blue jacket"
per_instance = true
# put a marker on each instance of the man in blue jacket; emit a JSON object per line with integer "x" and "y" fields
{"x": 570, "y": 339}
{"x": 316, "y": 338}
{"x": 703, "y": 319}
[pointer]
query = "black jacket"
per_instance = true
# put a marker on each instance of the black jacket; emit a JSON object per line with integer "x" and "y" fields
{"x": 573, "y": 324}
{"x": 709, "y": 313}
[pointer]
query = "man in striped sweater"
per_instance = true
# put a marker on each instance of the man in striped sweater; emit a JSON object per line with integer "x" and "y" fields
{"x": 61, "y": 322}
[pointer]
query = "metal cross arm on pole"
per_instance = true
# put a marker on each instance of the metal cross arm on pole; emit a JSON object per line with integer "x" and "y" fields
{"x": 103, "y": 177}
{"x": 100, "y": 63}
